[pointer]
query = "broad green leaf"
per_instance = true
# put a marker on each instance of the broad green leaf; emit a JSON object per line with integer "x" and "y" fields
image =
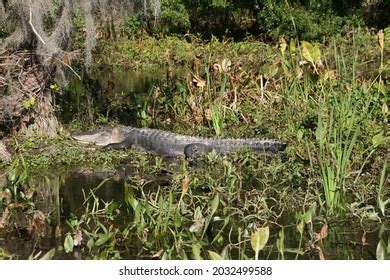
{"x": 90, "y": 243}
{"x": 308, "y": 216}
{"x": 103, "y": 238}
{"x": 130, "y": 198}
{"x": 270, "y": 71}
{"x": 198, "y": 213}
{"x": 49, "y": 255}
{"x": 196, "y": 251}
{"x": 214, "y": 256}
{"x": 177, "y": 219}
{"x": 68, "y": 243}
{"x": 214, "y": 204}
{"x": 259, "y": 238}
{"x": 310, "y": 52}
{"x": 387, "y": 36}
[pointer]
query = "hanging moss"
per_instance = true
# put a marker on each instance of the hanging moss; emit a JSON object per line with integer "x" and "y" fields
{"x": 46, "y": 29}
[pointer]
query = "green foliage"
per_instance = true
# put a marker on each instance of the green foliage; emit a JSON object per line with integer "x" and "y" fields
{"x": 132, "y": 26}
{"x": 310, "y": 20}
{"x": 280, "y": 19}
{"x": 3, "y": 31}
{"x": 174, "y": 17}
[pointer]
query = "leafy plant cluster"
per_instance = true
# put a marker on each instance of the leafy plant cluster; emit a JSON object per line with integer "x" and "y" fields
{"x": 310, "y": 20}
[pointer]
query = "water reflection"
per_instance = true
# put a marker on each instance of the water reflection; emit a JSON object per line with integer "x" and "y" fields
{"x": 61, "y": 197}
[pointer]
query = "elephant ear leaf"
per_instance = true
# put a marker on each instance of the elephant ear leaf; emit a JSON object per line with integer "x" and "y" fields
{"x": 68, "y": 243}
{"x": 259, "y": 239}
{"x": 310, "y": 52}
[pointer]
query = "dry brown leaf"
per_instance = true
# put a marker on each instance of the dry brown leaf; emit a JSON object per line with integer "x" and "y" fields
{"x": 209, "y": 114}
{"x": 323, "y": 233}
{"x": 184, "y": 185}
{"x": 364, "y": 238}
{"x": 4, "y": 218}
{"x": 158, "y": 254}
{"x": 196, "y": 113}
{"x": 320, "y": 253}
{"x": 197, "y": 226}
{"x": 199, "y": 82}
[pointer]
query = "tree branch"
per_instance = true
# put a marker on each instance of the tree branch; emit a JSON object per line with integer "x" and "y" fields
{"x": 32, "y": 26}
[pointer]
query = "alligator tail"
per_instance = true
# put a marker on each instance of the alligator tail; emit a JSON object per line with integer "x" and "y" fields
{"x": 268, "y": 146}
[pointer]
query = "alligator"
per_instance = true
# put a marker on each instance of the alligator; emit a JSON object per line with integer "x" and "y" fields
{"x": 170, "y": 144}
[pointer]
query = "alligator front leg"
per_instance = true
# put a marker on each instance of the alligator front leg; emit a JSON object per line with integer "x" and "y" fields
{"x": 195, "y": 150}
{"x": 117, "y": 146}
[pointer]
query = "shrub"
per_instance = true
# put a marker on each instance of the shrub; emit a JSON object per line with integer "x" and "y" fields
{"x": 279, "y": 18}
{"x": 174, "y": 17}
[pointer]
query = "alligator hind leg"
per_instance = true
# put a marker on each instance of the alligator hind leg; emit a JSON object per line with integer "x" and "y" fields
{"x": 195, "y": 150}
{"x": 117, "y": 146}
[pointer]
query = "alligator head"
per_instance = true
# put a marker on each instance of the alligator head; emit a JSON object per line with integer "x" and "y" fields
{"x": 101, "y": 137}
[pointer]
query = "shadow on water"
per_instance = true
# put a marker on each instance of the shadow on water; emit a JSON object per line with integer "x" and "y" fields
{"x": 107, "y": 186}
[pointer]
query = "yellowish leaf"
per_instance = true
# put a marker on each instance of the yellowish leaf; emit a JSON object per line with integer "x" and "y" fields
{"x": 282, "y": 45}
{"x": 215, "y": 256}
{"x": 259, "y": 238}
{"x": 28, "y": 103}
{"x": 381, "y": 39}
{"x": 310, "y": 52}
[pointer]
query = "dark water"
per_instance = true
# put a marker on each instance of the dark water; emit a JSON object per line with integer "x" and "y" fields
{"x": 58, "y": 198}
{"x": 109, "y": 95}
